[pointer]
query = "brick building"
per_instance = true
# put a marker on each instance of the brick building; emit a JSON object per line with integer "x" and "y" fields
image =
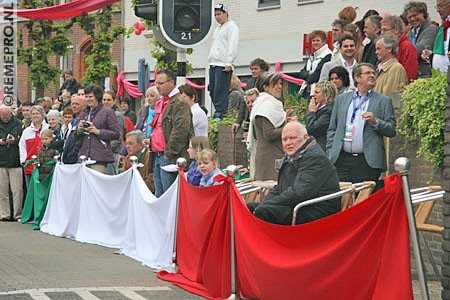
{"x": 75, "y": 60}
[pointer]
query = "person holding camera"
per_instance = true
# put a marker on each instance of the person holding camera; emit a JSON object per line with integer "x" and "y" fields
{"x": 97, "y": 127}
{"x": 10, "y": 169}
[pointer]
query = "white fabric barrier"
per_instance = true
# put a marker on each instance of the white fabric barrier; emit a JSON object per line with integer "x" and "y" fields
{"x": 113, "y": 211}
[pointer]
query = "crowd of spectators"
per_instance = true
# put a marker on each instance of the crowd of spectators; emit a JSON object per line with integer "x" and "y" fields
{"x": 348, "y": 82}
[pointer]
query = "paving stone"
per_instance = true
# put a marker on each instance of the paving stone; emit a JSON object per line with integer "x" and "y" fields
{"x": 109, "y": 295}
{"x": 16, "y": 297}
{"x": 175, "y": 294}
{"x": 63, "y": 296}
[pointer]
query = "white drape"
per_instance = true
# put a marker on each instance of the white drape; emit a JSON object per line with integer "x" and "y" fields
{"x": 113, "y": 211}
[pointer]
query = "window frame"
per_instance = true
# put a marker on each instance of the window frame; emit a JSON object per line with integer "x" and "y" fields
{"x": 306, "y": 2}
{"x": 269, "y": 5}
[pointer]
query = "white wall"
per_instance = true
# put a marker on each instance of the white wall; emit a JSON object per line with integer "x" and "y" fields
{"x": 273, "y": 34}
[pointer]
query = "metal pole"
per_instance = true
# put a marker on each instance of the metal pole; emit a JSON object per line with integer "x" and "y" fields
{"x": 181, "y": 163}
{"x": 402, "y": 166}
{"x": 231, "y": 172}
{"x": 181, "y": 66}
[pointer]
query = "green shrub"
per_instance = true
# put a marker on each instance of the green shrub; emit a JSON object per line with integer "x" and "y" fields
{"x": 213, "y": 128}
{"x": 422, "y": 117}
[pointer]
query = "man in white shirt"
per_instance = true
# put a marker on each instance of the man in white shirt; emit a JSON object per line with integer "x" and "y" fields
{"x": 221, "y": 58}
{"x": 441, "y": 45}
{"x": 346, "y": 59}
{"x": 199, "y": 118}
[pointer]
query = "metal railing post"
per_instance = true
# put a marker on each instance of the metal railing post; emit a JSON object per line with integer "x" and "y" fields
{"x": 232, "y": 170}
{"x": 402, "y": 166}
{"x": 181, "y": 163}
{"x": 83, "y": 159}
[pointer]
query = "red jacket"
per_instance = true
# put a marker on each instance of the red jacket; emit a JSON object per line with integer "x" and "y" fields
{"x": 407, "y": 56}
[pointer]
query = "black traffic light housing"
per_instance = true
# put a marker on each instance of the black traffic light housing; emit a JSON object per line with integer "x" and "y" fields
{"x": 147, "y": 9}
{"x": 185, "y": 23}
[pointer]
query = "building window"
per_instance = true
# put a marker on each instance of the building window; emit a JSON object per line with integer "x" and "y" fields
{"x": 268, "y": 3}
{"x": 67, "y": 61}
{"x": 302, "y": 2}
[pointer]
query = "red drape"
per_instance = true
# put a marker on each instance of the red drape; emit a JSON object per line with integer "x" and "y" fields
{"x": 132, "y": 89}
{"x": 62, "y": 11}
{"x": 203, "y": 241}
{"x": 361, "y": 253}
{"x": 286, "y": 77}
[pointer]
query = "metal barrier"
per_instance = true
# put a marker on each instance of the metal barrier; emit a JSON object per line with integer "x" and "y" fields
{"x": 319, "y": 199}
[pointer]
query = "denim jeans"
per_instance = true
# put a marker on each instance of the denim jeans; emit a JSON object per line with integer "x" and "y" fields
{"x": 219, "y": 87}
{"x": 162, "y": 179}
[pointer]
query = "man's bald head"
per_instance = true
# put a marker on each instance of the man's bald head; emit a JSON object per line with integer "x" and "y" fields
{"x": 78, "y": 104}
{"x": 293, "y": 136}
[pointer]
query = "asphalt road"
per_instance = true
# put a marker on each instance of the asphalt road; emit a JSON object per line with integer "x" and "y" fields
{"x": 34, "y": 265}
{"x": 37, "y": 266}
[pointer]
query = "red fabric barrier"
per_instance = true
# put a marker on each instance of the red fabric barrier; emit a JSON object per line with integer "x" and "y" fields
{"x": 203, "y": 241}
{"x": 62, "y": 11}
{"x": 361, "y": 253}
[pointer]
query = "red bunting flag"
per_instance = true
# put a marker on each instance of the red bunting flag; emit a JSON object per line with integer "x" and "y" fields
{"x": 62, "y": 11}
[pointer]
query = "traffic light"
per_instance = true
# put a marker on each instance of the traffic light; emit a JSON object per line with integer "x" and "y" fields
{"x": 146, "y": 9}
{"x": 185, "y": 23}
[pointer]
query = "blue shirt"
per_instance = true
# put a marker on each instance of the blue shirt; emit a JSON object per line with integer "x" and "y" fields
{"x": 147, "y": 127}
{"x": 193, "y": 175}
{"x": 207, "y": 180}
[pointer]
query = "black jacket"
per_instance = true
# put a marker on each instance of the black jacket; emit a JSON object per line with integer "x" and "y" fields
{"x": 9, "y": 154}
{"x": 305, "y": 175}
{"x": 71, "y": 86}
{"x": 317, "y": 124}
{"x": 71, "y": 145}
{"x": 369, "y": 54}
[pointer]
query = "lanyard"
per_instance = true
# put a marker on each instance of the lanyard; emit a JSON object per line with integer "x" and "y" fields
{"x": 357, "y": 107}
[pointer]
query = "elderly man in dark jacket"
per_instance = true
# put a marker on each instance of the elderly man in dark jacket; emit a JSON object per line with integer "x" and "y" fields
{"x": 10, "y": 169}
{"x": 305, "y": 173}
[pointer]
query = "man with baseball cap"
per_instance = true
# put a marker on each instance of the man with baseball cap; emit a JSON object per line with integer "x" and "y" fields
{"x": 221, "y": 58}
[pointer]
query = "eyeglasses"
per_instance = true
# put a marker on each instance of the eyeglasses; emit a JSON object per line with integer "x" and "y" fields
{"x": 161, "y": 83}
{"x": 439, "y": 6}
{"x": 383, "y": 30}
{"x": 369, "y": 73}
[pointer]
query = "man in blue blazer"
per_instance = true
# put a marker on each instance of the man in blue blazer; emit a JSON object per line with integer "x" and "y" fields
{"x": 359, "y": 121}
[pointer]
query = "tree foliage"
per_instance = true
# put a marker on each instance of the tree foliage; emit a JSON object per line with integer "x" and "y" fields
{"x": 46, "y": 38}
{"x": 98, "y": 25}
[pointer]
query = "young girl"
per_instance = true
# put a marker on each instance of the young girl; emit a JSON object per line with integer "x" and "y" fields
{"x": 208, "y": 165}
{"x": 196, "y": 144}
{"x": 46, "y": 154}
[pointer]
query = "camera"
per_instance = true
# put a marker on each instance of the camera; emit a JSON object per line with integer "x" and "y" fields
{"x": 86, "y": 125}
{"x": 9, "y": 136}
{"x": 245, "y": 126}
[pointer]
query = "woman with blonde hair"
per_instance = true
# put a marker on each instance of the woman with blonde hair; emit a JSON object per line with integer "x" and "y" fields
{"x": 148, "y": 111}
{"x": 319, "y": 111}
{"x": 236, "y": 95}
